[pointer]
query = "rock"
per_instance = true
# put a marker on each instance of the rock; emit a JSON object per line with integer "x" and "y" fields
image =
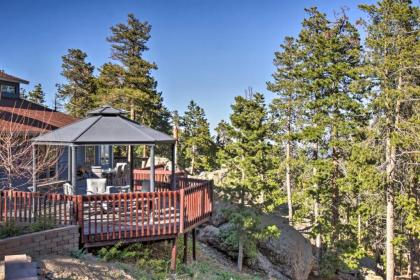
{"x": 291, "y": 253}
{"x": 211, "y": 235}
{"x": 287, "y": 257}
{"x": 219, "y": 216}
{"x": 262, "y": 263}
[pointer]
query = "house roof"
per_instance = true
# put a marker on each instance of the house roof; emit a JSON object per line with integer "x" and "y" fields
{"x": 104, "y": 125}
{"x": 9, "y": 78}
{"x": 20, "y": 115}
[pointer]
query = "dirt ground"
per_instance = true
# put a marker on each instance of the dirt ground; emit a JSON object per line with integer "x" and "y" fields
{"x": 87, "y": 268}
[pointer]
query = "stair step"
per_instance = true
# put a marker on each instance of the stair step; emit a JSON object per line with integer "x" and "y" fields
{"x": 20, "y": 267}
{"x": 17, "y": 258}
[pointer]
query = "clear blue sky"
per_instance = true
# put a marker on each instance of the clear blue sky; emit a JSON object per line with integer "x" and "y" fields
{"x": 206, "y": 50}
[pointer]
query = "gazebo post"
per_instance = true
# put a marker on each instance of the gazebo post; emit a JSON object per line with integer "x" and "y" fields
{"x": 152, "y": 168}
{"x": 73, "y": 166}
{"x": 69, "y": 163}
{"x": 173, "y": 180}
{"x": 131, "y": 149}
{"x": 33, "y": 167}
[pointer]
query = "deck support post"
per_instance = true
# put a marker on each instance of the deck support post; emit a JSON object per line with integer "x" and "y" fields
{"x": 33, "y": 167}
{"x": 185, "y": 257}
{"x": 194, "y": 256}
{"x": 173, "y": 255}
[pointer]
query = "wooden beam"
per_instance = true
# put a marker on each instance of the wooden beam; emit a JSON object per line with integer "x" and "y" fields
{"x": 173, "y": 255}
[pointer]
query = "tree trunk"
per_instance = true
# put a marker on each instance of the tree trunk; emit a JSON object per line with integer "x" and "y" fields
{"x": 192, "y": 164}
{"x": 240, "y": 253}
{"x": 318, "y": 241}
{"x": 391, "y": 161}
{"x": 288, "y": 183}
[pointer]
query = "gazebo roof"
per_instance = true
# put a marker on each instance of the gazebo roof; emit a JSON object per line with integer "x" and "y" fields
{"x": 104, "y": 125}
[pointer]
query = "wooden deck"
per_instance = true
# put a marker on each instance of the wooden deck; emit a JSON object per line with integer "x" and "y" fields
{"x": 126, "y": 217}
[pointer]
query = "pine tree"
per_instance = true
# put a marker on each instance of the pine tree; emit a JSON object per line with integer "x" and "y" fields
{"x": 393, "y": 51}
{"x": 80, "y": 89}
{"x": 197, "y": 147}
{"x": 129, "y": 84}
{"x": 331, "y": 93}
{"x": 285, "y": 109}
{"x": 245, "y": 157}
{"x": 37, "y": 95}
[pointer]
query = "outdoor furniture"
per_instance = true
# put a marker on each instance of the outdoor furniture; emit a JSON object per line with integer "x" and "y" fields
{"x": 145, "y": 185}
{"x": 109, "y": 174}
{"x": 119, "y": 173}
{"x": 117, "y": 189}
{"x": 68, "y": 189}
{"x": 96, "y": 171}
{"x": 96, "y": 186}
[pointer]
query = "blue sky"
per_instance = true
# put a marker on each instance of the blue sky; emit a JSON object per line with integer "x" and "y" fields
{"x": 206, "y": 50}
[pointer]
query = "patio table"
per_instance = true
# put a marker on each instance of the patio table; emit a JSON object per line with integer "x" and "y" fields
{"x": 109, "y": 174}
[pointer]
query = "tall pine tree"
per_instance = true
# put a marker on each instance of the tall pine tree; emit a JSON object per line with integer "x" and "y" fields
{"x": 393, "y": 52}
{"x": 129, "y": 83}
{"x": 37, "y": 95}
{"x": 196, "y": 145}
{"x": 245, "y": 156}
{"x": 285, "y": 109}
{"x": 80, "y": 89}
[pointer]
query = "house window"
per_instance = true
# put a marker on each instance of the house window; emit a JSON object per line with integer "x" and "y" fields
{"x": 90, "y": 155}
{"x": 8, "y": 89}
{"x": 104, "y": 155}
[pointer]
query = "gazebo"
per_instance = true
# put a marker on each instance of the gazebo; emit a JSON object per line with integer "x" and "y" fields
{"x": 105, "y": 126}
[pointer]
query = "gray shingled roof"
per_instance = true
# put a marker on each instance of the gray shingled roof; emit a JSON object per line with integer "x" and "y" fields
{"x": 104, "y": 125}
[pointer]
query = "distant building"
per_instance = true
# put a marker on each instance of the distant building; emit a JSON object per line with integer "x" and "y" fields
{"x": 23, "y": 116}
{"x": 20, "y": 116}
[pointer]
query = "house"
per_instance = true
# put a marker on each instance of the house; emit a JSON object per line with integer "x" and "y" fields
{"x": 23, "y": 117}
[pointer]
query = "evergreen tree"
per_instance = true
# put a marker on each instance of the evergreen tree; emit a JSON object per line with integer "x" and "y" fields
{"x": 318, "y": 77}
{"x": 196, "y": 144}
{"x": 245, "y": 157}
{"x": 285, "y": 109}
{"x": 80, "y": 89}
{"x": 393, "y": 51}
{"x": 129, "y": 84}
{"x": 37, "y": 95}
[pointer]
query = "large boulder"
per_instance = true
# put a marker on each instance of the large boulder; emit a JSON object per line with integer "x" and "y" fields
{"x": 291, "y": 253}
{"x": 287, "y": 257}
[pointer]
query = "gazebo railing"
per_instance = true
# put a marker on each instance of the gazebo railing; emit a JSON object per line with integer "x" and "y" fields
{"x": 108, "y": 218}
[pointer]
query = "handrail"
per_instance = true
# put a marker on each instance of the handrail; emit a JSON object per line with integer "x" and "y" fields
{"x": 112, "y": 217}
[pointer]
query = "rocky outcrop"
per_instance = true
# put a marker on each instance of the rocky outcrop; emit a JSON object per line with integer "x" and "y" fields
{"x": 287, "y": 257}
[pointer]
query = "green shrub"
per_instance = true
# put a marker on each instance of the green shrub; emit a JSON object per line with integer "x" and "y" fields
{"x": 43, "y": 223}
{"x": 10, "y": 228}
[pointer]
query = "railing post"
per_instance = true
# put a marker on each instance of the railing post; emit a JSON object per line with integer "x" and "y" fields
{"x": 181, "y": 210}
{"x": 79, "y": 216}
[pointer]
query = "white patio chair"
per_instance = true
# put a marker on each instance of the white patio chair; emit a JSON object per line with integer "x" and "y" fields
{"x": 96, "y": 171}
{"x": 96, "y": 186}
{"x": 68, "y": 189}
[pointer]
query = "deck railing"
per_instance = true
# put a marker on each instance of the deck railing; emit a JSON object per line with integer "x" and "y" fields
{"x": 30, "y": 207}
{"x": 107, "y": 218}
